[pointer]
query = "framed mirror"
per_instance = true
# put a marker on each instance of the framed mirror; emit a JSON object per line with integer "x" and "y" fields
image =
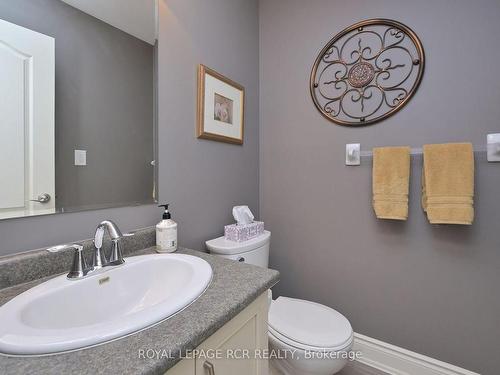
{"x": 77, "y": 105}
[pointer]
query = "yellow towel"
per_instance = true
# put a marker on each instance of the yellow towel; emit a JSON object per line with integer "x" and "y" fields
{"x": 390, "y": 182}
{"x": 448, "y": 183}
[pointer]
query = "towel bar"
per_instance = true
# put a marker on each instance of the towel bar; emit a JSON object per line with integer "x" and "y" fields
{"x": 418, "y": 151}
{"x": 492, "y": 148}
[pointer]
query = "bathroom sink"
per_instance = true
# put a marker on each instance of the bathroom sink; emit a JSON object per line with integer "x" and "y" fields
{"x": 61, "y": 315}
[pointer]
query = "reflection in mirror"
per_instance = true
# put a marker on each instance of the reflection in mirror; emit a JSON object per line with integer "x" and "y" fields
{"x": 77, "y": 104}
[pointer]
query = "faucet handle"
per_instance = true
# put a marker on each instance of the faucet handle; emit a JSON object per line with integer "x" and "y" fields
{"x": 116, "y": 256}
{"x": 99, "y": 258}
{"x": 79, "y": 268}
{"x": 98, "y": 237}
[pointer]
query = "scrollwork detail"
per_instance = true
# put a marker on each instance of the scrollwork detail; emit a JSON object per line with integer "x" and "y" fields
{"x": 367, "y": 72}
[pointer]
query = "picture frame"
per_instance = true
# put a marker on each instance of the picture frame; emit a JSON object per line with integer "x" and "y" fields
{"x": 220, "y": 107}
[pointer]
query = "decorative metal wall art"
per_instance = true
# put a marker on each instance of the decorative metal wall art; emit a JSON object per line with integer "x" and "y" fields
{"x": 367, "y": 72}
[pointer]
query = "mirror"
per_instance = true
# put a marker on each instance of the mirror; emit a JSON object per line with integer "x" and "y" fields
{"x": 77, "y": 105}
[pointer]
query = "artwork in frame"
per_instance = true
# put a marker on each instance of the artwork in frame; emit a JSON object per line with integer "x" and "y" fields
{"x": 221, "y": 103}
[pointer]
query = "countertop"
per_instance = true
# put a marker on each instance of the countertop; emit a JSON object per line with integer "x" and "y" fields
{"x": 234, "y": 286}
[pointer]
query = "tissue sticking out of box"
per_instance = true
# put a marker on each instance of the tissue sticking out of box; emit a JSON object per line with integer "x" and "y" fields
{"x": 246, "y": 228}
{"x": 242, "y": 215}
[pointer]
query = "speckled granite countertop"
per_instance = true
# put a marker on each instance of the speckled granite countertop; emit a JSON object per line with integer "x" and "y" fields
{"x": 234, "y": 286}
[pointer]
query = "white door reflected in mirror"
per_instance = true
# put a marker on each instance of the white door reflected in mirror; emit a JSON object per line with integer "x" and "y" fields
{"x": 27, "y": 152}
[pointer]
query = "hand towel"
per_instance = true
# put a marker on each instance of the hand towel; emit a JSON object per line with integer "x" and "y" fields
{"x": 390, "y": 182}
{"x": 448, "y": 183}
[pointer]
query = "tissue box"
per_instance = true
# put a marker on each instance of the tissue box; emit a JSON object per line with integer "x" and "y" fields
{"x": 245, "y": 232}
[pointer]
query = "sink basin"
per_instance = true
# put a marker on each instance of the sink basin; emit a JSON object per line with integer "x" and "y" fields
{"x": 61, "y": 315}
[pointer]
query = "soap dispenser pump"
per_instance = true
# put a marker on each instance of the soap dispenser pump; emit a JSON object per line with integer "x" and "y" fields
{"x": 166, "y": 233}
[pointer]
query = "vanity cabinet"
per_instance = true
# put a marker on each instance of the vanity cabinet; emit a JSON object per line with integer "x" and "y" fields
{"x": 233, "y": 348}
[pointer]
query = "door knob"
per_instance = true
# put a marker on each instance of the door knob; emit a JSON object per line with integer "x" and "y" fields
{"x": 42, "y": 198}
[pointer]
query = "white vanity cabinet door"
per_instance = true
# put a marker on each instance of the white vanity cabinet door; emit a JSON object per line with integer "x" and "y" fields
{"x": 184, "y": 367}
{"x": 245, "y": 333}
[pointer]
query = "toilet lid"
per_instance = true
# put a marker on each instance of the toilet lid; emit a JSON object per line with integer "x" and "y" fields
{"x": 227, "y": 247}
{"x": 309, "y": 323}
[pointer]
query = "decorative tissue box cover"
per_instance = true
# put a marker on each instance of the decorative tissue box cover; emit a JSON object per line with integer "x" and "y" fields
{"x": 245, "y": 232}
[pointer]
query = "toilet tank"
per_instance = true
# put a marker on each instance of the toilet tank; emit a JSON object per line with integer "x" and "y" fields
{"x": 254, "y": 251}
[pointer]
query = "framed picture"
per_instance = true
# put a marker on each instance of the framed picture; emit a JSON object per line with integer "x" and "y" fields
{"x": 220, "y": 107}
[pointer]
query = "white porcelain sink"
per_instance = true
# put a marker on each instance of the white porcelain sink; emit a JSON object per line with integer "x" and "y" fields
{"x": 61, "y": 314}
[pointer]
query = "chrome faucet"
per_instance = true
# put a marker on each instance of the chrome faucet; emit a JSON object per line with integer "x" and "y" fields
{"x": 99, "y": 261}
{"x": 116, "y": 256}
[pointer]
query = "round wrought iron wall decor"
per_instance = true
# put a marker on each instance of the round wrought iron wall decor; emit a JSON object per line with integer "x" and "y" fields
{"x": 367, "y": 72}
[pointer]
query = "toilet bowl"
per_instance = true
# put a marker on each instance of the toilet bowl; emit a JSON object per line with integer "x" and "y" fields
{"x": 306, "y": 338}
{"x": 310, "y": 338}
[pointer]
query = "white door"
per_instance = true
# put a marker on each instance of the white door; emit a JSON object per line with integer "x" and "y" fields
{"x": 27, "y": 96}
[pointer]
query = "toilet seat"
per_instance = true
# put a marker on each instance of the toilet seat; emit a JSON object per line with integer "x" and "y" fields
{"x": 303, "y": 347}
{"x": 310, "y": 326}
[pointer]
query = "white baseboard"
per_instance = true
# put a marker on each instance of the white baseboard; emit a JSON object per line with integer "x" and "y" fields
{"x": 399, "y": 361}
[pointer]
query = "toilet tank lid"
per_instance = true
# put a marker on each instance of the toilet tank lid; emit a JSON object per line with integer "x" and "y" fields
{"x": 309, "y": 323}
{"x": 226, "y": 247}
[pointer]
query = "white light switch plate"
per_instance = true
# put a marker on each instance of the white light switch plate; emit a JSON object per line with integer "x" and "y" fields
{"x": 80, "y": 157}
{"x": 494, "y": 147}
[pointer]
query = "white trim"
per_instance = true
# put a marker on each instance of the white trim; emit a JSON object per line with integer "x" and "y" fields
{"x": 398, "y": 361}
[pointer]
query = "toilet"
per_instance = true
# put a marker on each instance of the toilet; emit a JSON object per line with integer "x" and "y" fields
{"x": 307, "y": 337}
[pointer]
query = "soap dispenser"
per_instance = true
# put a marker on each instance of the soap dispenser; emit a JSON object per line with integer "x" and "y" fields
{"x": 166, "y": 233}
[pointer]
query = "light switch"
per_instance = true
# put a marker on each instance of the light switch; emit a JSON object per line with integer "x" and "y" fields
{"x": 80, "y": 157}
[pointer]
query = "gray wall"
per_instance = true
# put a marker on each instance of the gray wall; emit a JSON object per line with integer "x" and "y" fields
{"x": 431, "y": 289}
{"x": 202, "y": 179}
{"x": 104, "y": 104}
